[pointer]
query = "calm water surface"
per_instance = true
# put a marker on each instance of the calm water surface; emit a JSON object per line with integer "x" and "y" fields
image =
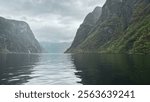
{"x": 73, "y": 69}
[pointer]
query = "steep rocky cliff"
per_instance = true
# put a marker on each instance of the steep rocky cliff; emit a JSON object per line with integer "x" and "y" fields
{"x": 16, "y": 36}
{"x": 123, "y": 27}
{"x": 84, "y": 29}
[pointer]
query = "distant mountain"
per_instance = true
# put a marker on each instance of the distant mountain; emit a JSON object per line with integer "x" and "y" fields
{"x": 51, "y": 47}
{"x": 85, "y": 28}
{"x": 123, "y": 27}
{"x": 16, "y": 36}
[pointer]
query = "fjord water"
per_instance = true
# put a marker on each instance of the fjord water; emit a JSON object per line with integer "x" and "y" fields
{"x": 73, "y": 69}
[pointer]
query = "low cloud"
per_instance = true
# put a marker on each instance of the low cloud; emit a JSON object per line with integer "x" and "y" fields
{"x": 50, "y": 20}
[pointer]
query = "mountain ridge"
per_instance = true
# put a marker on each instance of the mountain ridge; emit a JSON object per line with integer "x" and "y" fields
{"x": 87, "y": 25}
{"x": 123, "y": 27}
{"x": 16, "y": 36}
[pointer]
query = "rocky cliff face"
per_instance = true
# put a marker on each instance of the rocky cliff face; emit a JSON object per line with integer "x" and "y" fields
{"x": 84, "y": 29}
{"x": 123, "y": 27}
{"x": 16, "y": 36}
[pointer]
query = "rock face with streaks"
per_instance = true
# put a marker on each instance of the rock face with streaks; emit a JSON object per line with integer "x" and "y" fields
{"x": 16, "y": 36}
{"x": 84, "y": 29}
{"x": 123, "y": 27}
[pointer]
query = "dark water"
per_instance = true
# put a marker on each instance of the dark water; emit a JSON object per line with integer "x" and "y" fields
{"x": 87, "y": 69}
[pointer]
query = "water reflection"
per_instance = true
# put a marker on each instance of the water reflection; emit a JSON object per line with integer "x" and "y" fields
{"x": 54, "y": 69}
{"x": 112, "y": 69}
{"x": 15, "y": 69}
{"x": 67, "y": 69}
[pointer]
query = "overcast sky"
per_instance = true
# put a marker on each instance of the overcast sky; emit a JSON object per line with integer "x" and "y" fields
{"x": 50, "y": 20}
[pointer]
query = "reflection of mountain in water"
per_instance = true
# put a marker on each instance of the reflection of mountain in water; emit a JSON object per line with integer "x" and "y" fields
{"x": 16, "y": 68}
{"x": 62, "y": 69}
{"x": 112, "y": 68}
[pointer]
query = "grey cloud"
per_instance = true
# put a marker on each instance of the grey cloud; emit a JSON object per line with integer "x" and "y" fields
{"x": 55, "y": 34}
{"x": 50, "y": 19}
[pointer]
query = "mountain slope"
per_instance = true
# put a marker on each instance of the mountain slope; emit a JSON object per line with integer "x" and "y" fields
{"x": 124, "y": 27}
{"x": 16, "y": 36}
{"x": 84, "y": 29}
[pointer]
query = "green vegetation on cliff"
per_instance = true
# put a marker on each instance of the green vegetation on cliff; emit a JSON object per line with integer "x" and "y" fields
{"x": 123, "y": 27}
